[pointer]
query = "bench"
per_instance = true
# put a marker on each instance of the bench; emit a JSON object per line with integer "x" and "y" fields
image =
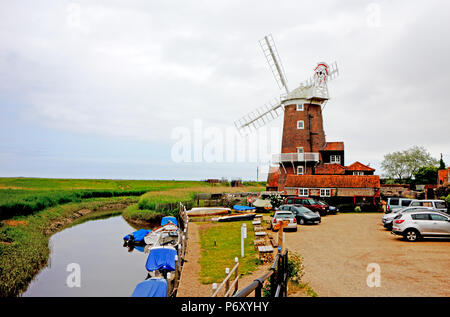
{"x": 260, "y": 234}
{"x": 265, "y": 253}
{"x": 256, "y": 222}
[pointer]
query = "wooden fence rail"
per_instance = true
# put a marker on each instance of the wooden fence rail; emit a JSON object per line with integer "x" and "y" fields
{"x": 229, "y": 289}
{"x": 277, "y": 275}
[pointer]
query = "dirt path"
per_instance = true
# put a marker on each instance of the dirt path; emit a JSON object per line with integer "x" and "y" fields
{"x": 190, "y": 285}
{"x": 337, "y": 253}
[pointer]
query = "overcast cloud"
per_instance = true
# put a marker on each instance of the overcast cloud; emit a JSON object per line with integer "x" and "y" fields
{"x": 95, "y": 88}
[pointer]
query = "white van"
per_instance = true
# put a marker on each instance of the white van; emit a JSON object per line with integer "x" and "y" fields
{"x": 397, "y": 202}
{"x": 436, "y": 204}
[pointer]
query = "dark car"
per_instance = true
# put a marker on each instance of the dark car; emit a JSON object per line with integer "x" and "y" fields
{"x": 330, "y": 209}
{"x": 308, "y": 203}
{"x": 302, "y": 214}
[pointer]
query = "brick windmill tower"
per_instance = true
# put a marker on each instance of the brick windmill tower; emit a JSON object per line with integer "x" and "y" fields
{"x": 303, "y": 140}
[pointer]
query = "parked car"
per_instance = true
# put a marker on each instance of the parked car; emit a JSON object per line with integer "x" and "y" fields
{"x": 330, "y": 209}
{"x": 388, "y": 219}
{"x": 433, "y": 203}
{"x": 302, "y": 214}
{"x": 397, "y": 202}
{"x": 413, "y": 225}
{"x": 309, "y": 203}
{"x": 283, "y": 215}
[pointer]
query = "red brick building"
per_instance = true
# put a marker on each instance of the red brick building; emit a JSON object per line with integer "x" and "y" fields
{"x": 443, "y": 176}
{"x": 308, "y": 165}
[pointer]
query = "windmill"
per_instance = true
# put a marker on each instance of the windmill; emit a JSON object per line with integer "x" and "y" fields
{"x": 303, "y": 136}
{"x": 316, "y": 86}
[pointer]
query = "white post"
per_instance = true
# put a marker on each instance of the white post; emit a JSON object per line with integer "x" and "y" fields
{"x": 243, "y": 236}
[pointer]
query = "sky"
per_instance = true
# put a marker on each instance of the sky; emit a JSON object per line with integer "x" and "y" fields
{"x": 118, "y": 89}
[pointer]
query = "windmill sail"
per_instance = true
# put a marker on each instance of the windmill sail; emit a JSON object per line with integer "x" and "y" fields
{"x": 259, "y": 117}
{"x": 271, "y": 54}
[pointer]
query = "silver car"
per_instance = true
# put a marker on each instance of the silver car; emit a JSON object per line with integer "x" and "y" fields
{"x": 283, "y": 216}
{"x": 414, "y": 225}
{"x": 387, "y": 219}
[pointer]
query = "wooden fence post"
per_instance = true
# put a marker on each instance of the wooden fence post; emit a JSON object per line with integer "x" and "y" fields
{"x": 227, "y": 283}
{"x": 236, "y": 275}
{"x": 214, "y": 288}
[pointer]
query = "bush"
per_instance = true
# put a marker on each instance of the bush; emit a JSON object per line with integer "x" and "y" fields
{"x": 276, "y": 200}
{"x": 357, "y": 209}
{"x": 447, "y": 200}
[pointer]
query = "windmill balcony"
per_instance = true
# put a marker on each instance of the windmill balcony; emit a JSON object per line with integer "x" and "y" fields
{"x": 295, "y": 157}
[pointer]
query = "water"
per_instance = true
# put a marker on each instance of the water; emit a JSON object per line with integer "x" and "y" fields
{"x": 107, "y": 268}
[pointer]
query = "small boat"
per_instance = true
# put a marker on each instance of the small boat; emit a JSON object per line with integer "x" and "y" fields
{"x": 207, "y": 211}
{"x": 243, "y": 208}
{"x": 166, "y": 220}
{"x": 152, "y": 287}
{"x": 237, "y": 217}
{"x": 262, "y": 203}
{"x": 168, "y": 234}
{"x": 136, "y": 238}
{"x": 161, "y": 260}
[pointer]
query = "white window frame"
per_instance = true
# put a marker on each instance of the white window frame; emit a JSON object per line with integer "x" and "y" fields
{"x": 335, "y": 159}
{"x": 303, "y": 125}
{"x": 303, "y": 192}
{"x": 300, "y": 107}
{"x": 302, "y": 150}
{"x": 325, "y": 192}
{"x": 303, "y": 170}
{"x": 358, "y": 173}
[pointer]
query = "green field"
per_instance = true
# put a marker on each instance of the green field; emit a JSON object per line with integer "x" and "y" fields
{"x": 24, "y": 196}
{"x": 214, "y": 259}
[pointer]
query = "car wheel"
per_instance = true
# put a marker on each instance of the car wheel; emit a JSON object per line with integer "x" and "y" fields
{"x": 302, "y": 222}
{"x": 412, "y": 235}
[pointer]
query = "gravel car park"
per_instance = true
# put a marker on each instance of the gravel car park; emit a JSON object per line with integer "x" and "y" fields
{"x": 338, "y": 253}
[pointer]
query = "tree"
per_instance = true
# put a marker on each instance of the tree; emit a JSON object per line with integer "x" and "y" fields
{"x": 403, "y": 164}
{"x": 426, "y": 175}
{"x": 441, "y": 164}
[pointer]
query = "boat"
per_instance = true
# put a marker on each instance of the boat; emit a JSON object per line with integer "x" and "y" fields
{"x": 236, "y": 217}
{"x": 166, "y": 220}
{"x": 243, "y": 208}
{"x": 168, "y": 234}
{"x": 152, "y": 287}
{"x": 207, "y": 211}
{"x": 160, "y": 265}
{"x": 262, "y": 204}
{"x": 136, "y": 238}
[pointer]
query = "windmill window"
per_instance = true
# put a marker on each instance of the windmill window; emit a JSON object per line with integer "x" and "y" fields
{"x": 300, "y": 107}
{"x": 299, "y": 170}
{"x": 358, "y": 173}
{"x": 300, "y": 125}
{"x": 300, "y": 150}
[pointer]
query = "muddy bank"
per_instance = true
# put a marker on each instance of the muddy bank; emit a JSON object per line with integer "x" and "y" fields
{"x": 61, "y": 223}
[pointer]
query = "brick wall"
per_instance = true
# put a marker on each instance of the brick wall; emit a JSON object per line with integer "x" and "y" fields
{"x": 293, "y": 137}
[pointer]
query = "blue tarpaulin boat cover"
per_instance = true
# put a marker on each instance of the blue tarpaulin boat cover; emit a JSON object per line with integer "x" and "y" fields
{"x": 166, "y": 220}
{"x": 240, "y": 208}
{"x": 161, "y": 259}
{"x": 138, "y": 235}
{"x": 153, "y": 287}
